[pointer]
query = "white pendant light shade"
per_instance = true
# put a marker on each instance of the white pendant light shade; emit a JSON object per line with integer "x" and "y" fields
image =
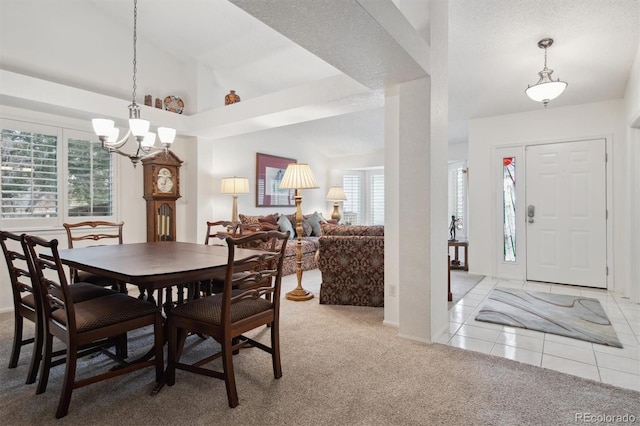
{"x": 546, "y": 89}
{"x": 166, "y": 135}
{"x": 102, "y": 126}
{"x": 138, "y": 126}
{"x": 149, "y": 140}
{"x": 114, "y": 135}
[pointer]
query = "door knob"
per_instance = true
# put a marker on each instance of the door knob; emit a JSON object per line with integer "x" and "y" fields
{"x": 531, "y": 212}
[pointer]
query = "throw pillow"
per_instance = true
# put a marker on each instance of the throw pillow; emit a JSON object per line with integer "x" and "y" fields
{"x": 314, "y": 220}
{"x": 271, "y": 219}
{"x": 306, "y": 228}
{"x": 285, "y": 226}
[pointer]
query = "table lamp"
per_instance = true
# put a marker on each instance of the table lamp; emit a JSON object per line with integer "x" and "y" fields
{"x": 336, "y": 194}
{"x": 234, "y": 185}
{"x": 298, "y": 176}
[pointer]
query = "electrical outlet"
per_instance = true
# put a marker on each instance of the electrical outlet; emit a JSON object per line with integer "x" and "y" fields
{"x": 392, "y": 290}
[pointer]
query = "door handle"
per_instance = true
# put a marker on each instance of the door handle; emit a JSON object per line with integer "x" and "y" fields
{"x": 531, "y": 212}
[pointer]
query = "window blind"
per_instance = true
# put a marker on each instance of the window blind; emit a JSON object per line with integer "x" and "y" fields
{"x": 29, "y": 174}
{"x": 377, "y": 199}
{"x": 352, "y": 213}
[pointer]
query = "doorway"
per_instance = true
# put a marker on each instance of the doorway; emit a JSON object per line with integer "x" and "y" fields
{"x": 566, "y": 213}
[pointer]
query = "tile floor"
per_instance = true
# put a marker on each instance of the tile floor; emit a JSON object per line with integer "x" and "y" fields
{"x": 618, "y": 367}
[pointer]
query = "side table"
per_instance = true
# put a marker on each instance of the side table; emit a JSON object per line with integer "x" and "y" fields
{"x": 455, "y": 263}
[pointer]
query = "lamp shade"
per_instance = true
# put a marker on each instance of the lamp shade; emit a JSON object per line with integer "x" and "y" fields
{"x": 234, "y": 185}
{"x": 336, "y": 193}
{"x": 298, "y": 176}
{"x": 546, "y": 89}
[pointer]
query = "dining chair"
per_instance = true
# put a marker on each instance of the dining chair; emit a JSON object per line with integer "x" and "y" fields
{"x": 236, "y": 230}
{"x": 86, "y": 323}
{"x": 228, "y": 315}
{"x": 94, "y": 231}
{"x": 27, "y": 303}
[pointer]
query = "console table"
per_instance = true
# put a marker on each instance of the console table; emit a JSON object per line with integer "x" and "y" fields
{"x": 455, "y": 263}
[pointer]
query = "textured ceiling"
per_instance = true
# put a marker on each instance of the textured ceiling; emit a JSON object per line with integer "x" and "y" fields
{"x": 493, "y": 51}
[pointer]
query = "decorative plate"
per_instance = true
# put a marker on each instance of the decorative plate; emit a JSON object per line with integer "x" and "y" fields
{"x": 173, "y": 104}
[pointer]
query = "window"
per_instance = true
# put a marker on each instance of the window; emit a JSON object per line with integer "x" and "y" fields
{"x": 364, "y": 190}
{"x": 509, "y": 208}
{"x": 377, "y": 200}
{"x": 458, "y": 198}
{"x": 89, "y": 179}
{"x": 44, "y": 181}
{"x": 351, "y": 214}
{"x": 29, "y": 177}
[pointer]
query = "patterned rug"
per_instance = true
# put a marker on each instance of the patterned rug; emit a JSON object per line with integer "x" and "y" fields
{"x": 571, "y": 316}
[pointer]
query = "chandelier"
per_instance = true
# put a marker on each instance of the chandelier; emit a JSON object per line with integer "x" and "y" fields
{"x": 108, "y": 134}
{"x": 546, "y": 88}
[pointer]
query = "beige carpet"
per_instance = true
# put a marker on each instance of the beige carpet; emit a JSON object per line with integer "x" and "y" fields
{"x": 341, "y": 366}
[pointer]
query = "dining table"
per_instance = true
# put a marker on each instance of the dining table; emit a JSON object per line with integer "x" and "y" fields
{"x": 154, "y": 266}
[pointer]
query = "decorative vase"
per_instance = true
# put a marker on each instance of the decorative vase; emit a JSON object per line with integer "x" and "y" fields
{"x": 231, "y": 98}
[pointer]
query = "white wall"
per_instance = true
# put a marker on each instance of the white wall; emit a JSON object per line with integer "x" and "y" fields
{"x": 94, "y": 45}
{"x": 458, "y": 151}
{"x": 237, "y": 157}
{"x": 632, "y": 121}
{"x": 601, "y": 119}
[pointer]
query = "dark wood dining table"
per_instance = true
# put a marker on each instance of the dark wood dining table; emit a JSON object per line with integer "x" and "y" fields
{"x": 153, "y": 265}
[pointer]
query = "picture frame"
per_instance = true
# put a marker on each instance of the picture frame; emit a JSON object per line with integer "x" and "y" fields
{"x": 269, "y": 171}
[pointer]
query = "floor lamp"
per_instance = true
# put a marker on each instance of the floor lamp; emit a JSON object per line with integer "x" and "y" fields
{"x": 298, "y": 176}
{"x": 234, "y": 185}
{"x": 336, "y": 194}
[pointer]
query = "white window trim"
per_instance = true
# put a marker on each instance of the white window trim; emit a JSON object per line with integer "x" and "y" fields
{"x": 32, "y": 121}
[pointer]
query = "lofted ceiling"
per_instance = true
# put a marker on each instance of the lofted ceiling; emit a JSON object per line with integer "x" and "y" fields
{"x": 263, "y": 47}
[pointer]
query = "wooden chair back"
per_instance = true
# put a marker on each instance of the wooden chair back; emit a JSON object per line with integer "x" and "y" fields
{"x": 87, "y": 326}
{"x": 26, "y": 302}
{"x": 214, "y": 234}
{"x": 93, "y": 231}
{"x": 248, "y": 300}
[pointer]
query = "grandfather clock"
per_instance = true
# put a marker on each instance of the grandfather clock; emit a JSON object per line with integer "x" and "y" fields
{"x": 161, "y": 190}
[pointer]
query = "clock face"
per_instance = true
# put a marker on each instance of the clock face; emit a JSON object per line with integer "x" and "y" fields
{"x": 165, "y": 180}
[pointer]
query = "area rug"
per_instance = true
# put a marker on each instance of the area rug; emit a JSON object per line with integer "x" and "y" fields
{"x": 571, "y": 316}
{"x": 461, "y": 283}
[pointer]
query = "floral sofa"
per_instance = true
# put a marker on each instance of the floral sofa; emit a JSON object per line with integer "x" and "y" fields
{"x": 351, "y": 260}
{"x": 311, "y": 235}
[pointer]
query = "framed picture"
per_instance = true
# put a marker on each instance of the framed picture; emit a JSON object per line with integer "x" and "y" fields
{"x": 269, "y": 172}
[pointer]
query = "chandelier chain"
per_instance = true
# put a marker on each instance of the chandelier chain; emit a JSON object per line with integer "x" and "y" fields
{"x": 135, "y": 39}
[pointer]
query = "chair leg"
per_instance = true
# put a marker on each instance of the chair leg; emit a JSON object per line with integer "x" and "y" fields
{"x": 159, "y": 346}
{"x": 229, "y": 376}
{"x": 69, "y": 380}
{"x": 17, "y": 341}
{"x": 36, "y": 356}
{"x": 172, "y": 354}
{"x": 46, "y": 363}
{"x": 275, "y": 350}
{"x": 122, "y": 351}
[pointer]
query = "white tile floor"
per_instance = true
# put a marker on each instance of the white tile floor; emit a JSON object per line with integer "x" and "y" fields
{"x": 618, "y": 367}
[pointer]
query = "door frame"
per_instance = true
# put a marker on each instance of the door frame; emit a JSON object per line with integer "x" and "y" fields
{"x": 518, "y": 270}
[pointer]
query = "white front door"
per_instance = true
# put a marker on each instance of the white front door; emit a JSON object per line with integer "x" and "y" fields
{"x": 566, "y": 213}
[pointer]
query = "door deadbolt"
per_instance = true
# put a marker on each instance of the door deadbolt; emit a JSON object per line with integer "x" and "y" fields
{"x": 531, "y": 212}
